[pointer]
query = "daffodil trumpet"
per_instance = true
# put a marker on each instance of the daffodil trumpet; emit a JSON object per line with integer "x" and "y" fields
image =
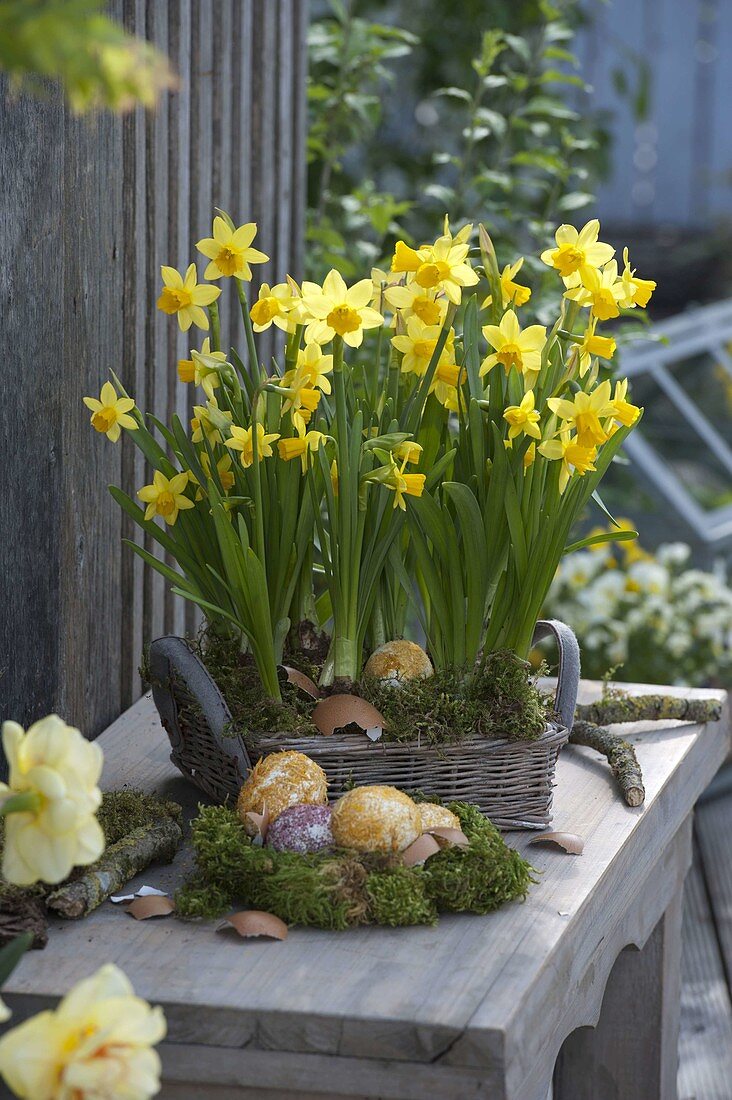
{"x": 361, "y": 488}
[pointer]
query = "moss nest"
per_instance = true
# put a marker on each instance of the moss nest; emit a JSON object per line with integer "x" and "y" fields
{"x": 500, "y": 700}
{"x": 341, "y": 888}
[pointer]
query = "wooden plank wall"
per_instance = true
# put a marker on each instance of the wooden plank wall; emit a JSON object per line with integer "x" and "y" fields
{"x": 674, "y": 166}
{"x": 89, "y": 209}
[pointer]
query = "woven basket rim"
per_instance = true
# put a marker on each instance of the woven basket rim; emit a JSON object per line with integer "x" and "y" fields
{"x": 553, "y": 732}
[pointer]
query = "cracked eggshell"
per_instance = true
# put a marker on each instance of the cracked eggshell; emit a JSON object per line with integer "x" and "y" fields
{"x": 433, "y": 816}
{"x": 301, "y": 829}
{"x": 340, "y": 711}
{"x": 280, "y": 780}
{"x": 375, "y": 819}
{"x": 398, "y": 661}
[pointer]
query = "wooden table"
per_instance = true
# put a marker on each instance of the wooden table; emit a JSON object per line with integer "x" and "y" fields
{"x": 474, "y": 1007}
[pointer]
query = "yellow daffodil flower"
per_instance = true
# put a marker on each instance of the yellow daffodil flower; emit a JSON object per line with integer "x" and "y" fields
{"x": 241, "y": 440}
{"x": 110, "y": 414}
{"x": 513, "y": 293}
{"x": 585, "y": 412}
{"x": 514, "y": 347}
{"x": 336, "y": 309}
{"x": 403, "y": 484}
{"x": 203, "y": 368}
{"x": 275, "y": 306}
{"x": 186, "y": 297}
{"x": 523, "y": 419}
{"x": 621, "y": 409}
{"x": 569, "y": 451}
{"x": 443, "y": 265}
{"x": 413, "y": 300}
{"x": 50, "y": 801}
{"x": 165, "y": 497}
{"x": 312, "y": 369}
{"x": 302, "y": 401}
{"x": 417, "y": 346}
{"x": 334, "y": 477}
{"x": 602, "y": 291}
{"x": 300, "y": 446}
{"x": 577, "y": 251}
{"x": 448, "y": 377}
{"x": 202, "y": 423}
{"x": 637, "y": 292}
{"x": 230, "y": 251}
{"x": 529, "y": 456}
{"x": 98, "y": 1042}
{"x": 408, "y": 451}
{"x": 602, "y": 346}
{"x": 223, "y": 469}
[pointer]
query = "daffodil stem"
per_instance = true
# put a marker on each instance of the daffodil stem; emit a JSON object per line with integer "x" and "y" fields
{"x": 28, "y": 802}
{"x": 213, "y": 313}
{"x": 344, "y": 644}
{"x": 258, "y": 517}
{"x": 249, "y": 332}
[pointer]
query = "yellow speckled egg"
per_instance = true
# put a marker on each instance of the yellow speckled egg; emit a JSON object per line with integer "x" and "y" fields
{"x": 375, "y": 819}
{"x": 395, "y": 662}
{"x": 280, "y": 780}
{"x": 433, "y": 816}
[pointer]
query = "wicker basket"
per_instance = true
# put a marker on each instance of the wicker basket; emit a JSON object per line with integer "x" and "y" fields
{"x": 512, "y": 782}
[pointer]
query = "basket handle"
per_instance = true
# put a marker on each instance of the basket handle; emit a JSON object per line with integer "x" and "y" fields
{"x": 568, "y": 677}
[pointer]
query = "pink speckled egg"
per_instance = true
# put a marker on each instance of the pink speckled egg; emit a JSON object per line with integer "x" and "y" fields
{"x": 303, "y": 828}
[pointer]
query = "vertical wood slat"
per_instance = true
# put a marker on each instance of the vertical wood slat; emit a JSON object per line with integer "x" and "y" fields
{"x": 92, "y": 209}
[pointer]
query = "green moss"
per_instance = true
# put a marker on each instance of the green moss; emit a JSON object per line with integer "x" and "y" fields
{"x": 339, "y": 889}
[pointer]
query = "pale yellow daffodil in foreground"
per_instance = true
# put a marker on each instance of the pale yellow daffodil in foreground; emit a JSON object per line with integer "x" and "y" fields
{"x": 49, "y": 801}
{"x": 515, "y": 347}
{"x": 440, "y": 266}
{"x": 312, "y": 369}
{"x": 602, "y": 346}
{"x": 336, "y": 309}
{"x": 417, "y": 346}
{"x": 577, "y": 251}
{"x": 241, "y": 440}
{"x": 166, "y": 497}
{"x": 585, "y": 412}
{"x": 276, "y": 305}
{"x": 110, "y": 414}
{"x": 523, "y": 419}
{"x": 574, "y": 457}
{"x": 300, "y": 446}
{"x": 637, "y": 291}
{"x": 96, "y": 1045}
{"x": 602, "y": 291}
{"x": 413, "y": 300}
{"x": 513, "y": 293}
{"x": 186, "y": 297}
{"x": 230, "y": 251}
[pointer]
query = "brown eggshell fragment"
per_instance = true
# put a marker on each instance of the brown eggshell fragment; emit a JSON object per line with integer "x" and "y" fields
{"x": 420, "y": 850}
{"x": 338, "y": 711}
{"x": 571, "y": 843}
{"x": 449, "y": 838}
{"x": 151, "y": 905}
{"x": 256, "y": 825}
{"x": 299, "y": 679}
{"x": 255, "y": 922}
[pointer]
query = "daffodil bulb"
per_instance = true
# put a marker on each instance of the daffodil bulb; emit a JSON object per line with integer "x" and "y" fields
{"x": 96, "y": 1045}
{"x": 49, "y": 802}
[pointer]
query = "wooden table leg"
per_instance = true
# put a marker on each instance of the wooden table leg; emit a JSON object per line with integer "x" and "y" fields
{"x": 633, "y": 1052}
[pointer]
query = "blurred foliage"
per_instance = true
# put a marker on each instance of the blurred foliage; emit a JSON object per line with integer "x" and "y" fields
{"x": 96, "y": 62}
{"x": 398, "y": 114}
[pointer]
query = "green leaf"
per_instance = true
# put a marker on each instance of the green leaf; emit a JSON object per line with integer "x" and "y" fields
{"x": 12, "y": 953}
{"x": 598, "y": 540}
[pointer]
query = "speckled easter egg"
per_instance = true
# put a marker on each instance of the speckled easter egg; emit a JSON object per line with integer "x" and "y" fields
{"x": 433, "y": 816}
{"x": 280, "y": 780}
{"x": 375, "y": 819}
{"x": 395, "y": 662}
{"x": 303, "y": 828}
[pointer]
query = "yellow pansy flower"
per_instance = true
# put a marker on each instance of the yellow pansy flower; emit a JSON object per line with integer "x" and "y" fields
{"x": 336, "y": 309}
{"x": 97, "y": 1043}
{"x": 637, "y": 292}
{"x": 602, "y": 291}
{"x": 585, "y": 412}
{"x": 202, "y": 423}
{"x": 275, "y": 306}
{"x": 230, "y": 251}
{"x": 577, "y": 251}
{"x": 523, "y": 419}
{"x": 186, "y": 297}
{"x": 513, "y": 293}
{"x": 165, "y": 497}
{"x": 110, "y": 414}
{"x": 417, "y": 345}
{"x": 312, "y": 369}
{"x": 403, "y": 484}
{"x": 51, "y": 797}
{"x": 414, "y": 300}
{"x": 514, "y": 347}
{"x": 300, "y": 446}
{"x": 571, "y": 453}
{"x": 602, "y": 346}
{"x": 241, "y": 440}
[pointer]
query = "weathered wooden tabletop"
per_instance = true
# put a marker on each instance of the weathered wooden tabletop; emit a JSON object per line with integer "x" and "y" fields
{"x": 474, "y": 1007}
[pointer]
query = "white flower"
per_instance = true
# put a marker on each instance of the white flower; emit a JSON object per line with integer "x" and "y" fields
{"x": 673, "y": 554}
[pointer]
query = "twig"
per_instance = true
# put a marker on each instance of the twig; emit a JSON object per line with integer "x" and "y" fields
{"x": 620, "y": 756}
{"x": 617, "y": 707}
{"x": 155, "y": 843}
